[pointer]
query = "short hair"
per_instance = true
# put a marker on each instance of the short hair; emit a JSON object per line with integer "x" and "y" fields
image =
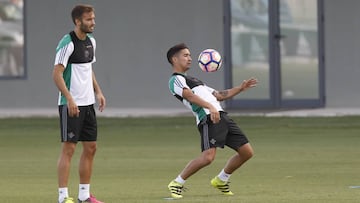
{"x": 79, "y": 10}
{"x": 174, "y": 50}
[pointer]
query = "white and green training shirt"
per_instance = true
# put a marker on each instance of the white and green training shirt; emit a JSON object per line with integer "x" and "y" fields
{"x": 77, "y": 56}
{"x": 178, "y": 82}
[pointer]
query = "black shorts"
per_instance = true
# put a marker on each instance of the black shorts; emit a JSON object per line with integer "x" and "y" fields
{"x": 82, "y": 128}
{"x": 226, "y": 132}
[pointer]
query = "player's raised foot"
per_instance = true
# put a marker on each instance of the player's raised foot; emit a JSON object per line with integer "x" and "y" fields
{"x": 221, "y": 185}
{"x": 176, "y": 189}
{"x": 91, "y": 199}
{"x": 68, "y": 200}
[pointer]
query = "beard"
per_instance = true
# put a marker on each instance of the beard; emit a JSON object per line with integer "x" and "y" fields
{"x": 86, "y": 29}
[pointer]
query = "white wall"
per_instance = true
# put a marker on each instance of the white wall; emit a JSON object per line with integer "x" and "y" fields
{"x": 132, "y": 39}
{"x": 342, "y": 53}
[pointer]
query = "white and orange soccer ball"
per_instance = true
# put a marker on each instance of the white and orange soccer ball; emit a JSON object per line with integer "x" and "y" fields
{"x": 209, "y": 60}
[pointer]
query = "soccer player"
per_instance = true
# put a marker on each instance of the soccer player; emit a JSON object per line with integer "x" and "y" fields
{"x": 75, "y": 79}
{"x": 215, "y": 127}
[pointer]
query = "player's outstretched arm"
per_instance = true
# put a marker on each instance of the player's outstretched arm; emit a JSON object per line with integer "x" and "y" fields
{"x": 226, "y": 94}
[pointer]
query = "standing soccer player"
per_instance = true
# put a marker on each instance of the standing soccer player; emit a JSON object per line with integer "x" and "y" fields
{"x": 75, "y": 79}
{"x": 215, "y": 127}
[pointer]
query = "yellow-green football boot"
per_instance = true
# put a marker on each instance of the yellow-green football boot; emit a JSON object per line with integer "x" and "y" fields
{"x": 176, "y": 189}
{"x": 68, "y": 200}
{"x": 221, "y": 185}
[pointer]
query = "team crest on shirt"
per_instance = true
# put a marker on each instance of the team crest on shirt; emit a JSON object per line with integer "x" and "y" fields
{"x": 87, "y": 53}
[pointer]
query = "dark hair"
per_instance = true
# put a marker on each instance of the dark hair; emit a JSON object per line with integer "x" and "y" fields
{"x": 174, "y": 50}
{"x": 79, "y": 10}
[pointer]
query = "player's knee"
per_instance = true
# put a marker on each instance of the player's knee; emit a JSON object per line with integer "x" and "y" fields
{"x": 93, "y": 149}
{"x": 250, "y": 153}
{"x": 208, "y": 158}
{"x": 68, "y": 149}
{"x": 90, "y": 149}
{"x": 68, "y": 153}
{"x": 246, "y": 152}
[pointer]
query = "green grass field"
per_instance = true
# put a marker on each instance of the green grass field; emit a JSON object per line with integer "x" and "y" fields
{"x": 296, "y": 160}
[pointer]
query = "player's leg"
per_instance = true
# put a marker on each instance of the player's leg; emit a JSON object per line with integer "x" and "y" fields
{"x": 244, "y": 153}
{"x": 67, "y": 151}
{"x": 69, "y": 132}
{"x": 237, "y": 141}
{"x": 85, "y": 172}
{"x": 86, "y": 161}
{"x": 85, "y": 169}
{"x": 212, "y": 136}
{"x": 88, "y": 138}
{"x": 221, "y": 181}
{"x": 176, "y": 186}
{"x": 63, "y": 168}
{"x": 200, "y": 162}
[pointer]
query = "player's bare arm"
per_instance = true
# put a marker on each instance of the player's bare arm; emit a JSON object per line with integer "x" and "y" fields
{"x": 226, "y": 94}
{"x": 99, "y": 95}
{"x": 194, "y": 99}
{"x": 60, "y": 83}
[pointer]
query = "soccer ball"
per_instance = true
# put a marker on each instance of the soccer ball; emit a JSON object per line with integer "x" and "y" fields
{"x": 209, "y": 60}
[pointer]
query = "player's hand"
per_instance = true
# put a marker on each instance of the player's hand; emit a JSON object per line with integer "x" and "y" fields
{"x": 214, "y": 115}
{"x": 102, "y": 102}
{"x": 73, "y": 109}
{"x": 249, "y": 83}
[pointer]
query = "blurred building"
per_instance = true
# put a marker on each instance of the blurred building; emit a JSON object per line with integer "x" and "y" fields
{"x": 304, "y": 52}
